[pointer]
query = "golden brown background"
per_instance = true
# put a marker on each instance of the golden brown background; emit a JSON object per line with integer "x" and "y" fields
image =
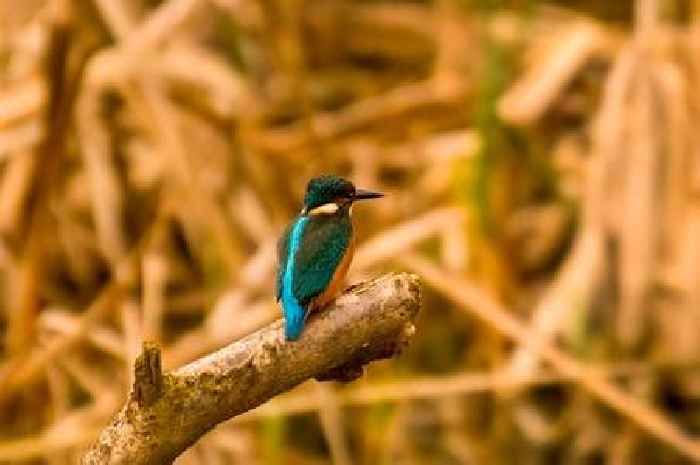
{"x": 542, "y": 165}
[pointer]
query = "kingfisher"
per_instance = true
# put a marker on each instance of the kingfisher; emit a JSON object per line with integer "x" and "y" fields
{"x": 316, "y": 249}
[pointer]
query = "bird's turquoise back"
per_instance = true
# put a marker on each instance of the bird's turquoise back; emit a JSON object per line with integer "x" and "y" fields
{"x": 309, "y": 254}
{"x": 294, "y": 313}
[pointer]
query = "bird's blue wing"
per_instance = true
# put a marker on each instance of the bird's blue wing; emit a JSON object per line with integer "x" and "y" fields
{"x": 325, "y": 241}
{"x": 294, "y": 311}
{"x": 282, "y": 256}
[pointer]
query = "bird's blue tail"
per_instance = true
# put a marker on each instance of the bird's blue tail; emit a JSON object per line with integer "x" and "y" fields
{"x": 294, "y": 313}
{"x": 293, "y": 322}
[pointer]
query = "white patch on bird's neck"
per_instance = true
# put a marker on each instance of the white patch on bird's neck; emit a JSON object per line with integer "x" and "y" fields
{"x": 325, "y": 209}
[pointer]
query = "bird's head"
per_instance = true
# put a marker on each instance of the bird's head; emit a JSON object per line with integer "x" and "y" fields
{"x": 328, "y": 194}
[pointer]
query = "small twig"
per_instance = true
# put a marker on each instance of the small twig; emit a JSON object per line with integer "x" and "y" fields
{"x": 165, "y": 414}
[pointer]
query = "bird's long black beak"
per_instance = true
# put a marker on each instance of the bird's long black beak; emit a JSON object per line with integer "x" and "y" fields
{"x": 361, "y": 194}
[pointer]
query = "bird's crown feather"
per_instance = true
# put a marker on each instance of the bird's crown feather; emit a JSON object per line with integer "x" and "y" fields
{"x": 326, "y": 189}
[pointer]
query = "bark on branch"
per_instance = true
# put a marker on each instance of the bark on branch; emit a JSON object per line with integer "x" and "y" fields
{"x": 167, "y": 413}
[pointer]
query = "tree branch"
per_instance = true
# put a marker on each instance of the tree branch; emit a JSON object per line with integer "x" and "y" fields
{"x": 167, "y": 413}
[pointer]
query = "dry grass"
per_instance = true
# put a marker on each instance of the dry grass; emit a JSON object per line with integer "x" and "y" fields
{"x": 542, "y": 165}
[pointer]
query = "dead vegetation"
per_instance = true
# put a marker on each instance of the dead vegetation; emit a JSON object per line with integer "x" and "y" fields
{"x": 542, "y": 165}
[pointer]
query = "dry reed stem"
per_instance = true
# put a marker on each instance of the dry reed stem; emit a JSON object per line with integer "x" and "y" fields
{"x": 14, "y": 190}
{"x": 154, "y": 277}
{"x": 639, "y": 232}
{"x": 133, "y": 335}
{"x": 450, "y": 45}
{"x": 62, "y": 85}
{"x": 331, "y": 418}
{"x": 107, "y": 196}
{"x": 117, "y": 17}
{"x": 160, "y": 24}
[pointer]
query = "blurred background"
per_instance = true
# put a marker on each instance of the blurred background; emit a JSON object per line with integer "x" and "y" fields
{"x": 542, "y": 161}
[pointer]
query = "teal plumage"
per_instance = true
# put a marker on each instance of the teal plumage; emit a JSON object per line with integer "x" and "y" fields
{"x": 308, "y": 270}
{"x": 325, "y": 243}
{"x": 294, "y": 311}
{"x": 282, "y": 256}
{"x": 313, "y": 247}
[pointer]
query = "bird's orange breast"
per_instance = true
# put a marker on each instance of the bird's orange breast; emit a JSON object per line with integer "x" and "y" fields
{"x": 337, "y": 281}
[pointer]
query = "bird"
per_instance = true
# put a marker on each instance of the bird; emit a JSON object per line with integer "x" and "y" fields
{"x": 315, "y": 250}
